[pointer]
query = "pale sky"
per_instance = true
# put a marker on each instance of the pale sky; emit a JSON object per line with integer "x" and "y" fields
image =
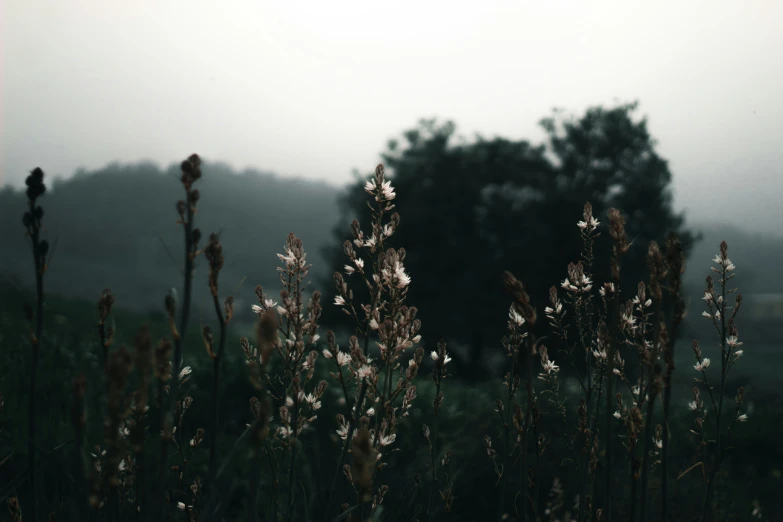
{"x": 315, "y": 89}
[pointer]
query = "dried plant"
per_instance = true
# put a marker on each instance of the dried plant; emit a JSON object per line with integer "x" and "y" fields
{"x": 619, "y": 355}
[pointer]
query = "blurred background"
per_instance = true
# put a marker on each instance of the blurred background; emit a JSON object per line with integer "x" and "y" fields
{"x": 496, "y": 121}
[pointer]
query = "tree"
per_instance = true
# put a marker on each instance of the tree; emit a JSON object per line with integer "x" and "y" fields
{"x": 469, "y": 211}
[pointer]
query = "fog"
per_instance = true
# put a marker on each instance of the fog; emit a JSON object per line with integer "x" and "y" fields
{"x": 316, "y": 89}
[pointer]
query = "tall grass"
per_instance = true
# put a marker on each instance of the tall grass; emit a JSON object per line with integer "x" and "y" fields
{"x": 614, "y": 432}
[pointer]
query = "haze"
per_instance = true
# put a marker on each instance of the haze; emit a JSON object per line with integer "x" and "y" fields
{"x": 315, "y": 89}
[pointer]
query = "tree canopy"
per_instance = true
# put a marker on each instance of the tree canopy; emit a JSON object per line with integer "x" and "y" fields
{"x": 469, "y": 211}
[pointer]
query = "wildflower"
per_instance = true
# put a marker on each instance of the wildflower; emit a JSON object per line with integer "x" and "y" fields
{"x": 181, "y": 506}
{"x": 593, "y": 224}
{"x": 339, "y": 300}
{"x": 388, "y": 191}
{"x": 702, "y": 365}
{"x": 289, "y": 259}
{"x": 435, "y": 357}
{"x": 364, "y": 371}
{"x": 658, "y": 443}
{"x": 187, "y": 370}
{"x": 515, "y": 317}
{"x": 693, "y": 405}
{"x": 739, "y": 353}
{"x": 617, "y": 414}
{"x": 343, "y": 358}
{"x": 396, "y": 276}
{"x": 349, "y": 269}
{"x": 743, "y": 417}
{"x": 388, "y": 439}
{"x": 732, "y": 341}
{"x": 550, "y": 367}
{"x": 370, "y": 412}
{"x": 343, "y": 431}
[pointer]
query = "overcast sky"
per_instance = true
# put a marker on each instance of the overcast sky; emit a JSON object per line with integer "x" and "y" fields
{"x": 315, "y": 89}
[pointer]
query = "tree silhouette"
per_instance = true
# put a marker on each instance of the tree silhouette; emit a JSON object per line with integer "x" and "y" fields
{"x": 472, "y": 210}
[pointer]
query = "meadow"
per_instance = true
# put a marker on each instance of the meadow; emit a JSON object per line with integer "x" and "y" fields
{"x": 110, "y": 414}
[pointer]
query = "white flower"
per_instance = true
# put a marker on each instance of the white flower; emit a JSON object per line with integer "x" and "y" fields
{"x": 568, "y": 286}
{"x": 187, "y": 370}
{"x": 617, "y": 414}
{"x": 707, "y": 297}
{"x": 370, "y": 412}
{"x": 515, "y": 317}
{"x": 658, "y": 443}
{"x": 732, "y": 341}
{"x": 738, "y": 353}
{"x": 359, "y": 262}
{"x": 289, "y": 402}
{"x": 403, "y": 279}
{"x": 593, "y": 224}
{"x": 327, "y": 353}
{"x": 693, "y": 405}
{"x": 343, "y": 358}
{"x": 707, "y": 314}
{"x": 343, "y": 431}
{"x": 369, "y": 186}
{"x": 743, "y": 417}
{"x": 388, "y": 191}
{"x": 550, "y": 367}
{"x": 285, "y": 432}
{"x": 289, "y": 258}
{"x": 388, "y": 439}
{"x": 181, "y": 506}
{"x": 349, "y": 269}
{"x": 364, "y": 372}
{"x": 703, "y": 365}
{"x": 339, "y": 300}
{"x": 436, "y": 357}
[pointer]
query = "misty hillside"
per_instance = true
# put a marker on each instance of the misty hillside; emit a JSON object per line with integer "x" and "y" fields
{"x": 116, "y": 227}
{"x": 757, "y": 256}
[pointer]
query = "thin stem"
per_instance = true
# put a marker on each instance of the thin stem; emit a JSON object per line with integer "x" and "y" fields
{"x": 216, "y": 391}
{"x": 34, "y": 229}
{"x": 178, "y": 343}
{"x": 610, "y": 379}
{"x": 528, "y": 421}
{"x": 707, "y": 512}
{"x": 432, "y": 450}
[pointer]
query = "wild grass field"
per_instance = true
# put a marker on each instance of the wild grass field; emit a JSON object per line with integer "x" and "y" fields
{"x": 613, "y": 414}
